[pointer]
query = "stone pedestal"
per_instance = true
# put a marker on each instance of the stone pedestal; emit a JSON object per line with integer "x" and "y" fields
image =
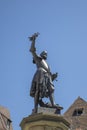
{"x": 44, "y": 121}
{"x": 49, "y": 110}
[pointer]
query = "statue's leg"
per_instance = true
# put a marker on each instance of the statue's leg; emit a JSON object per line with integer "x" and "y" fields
{"x": 36, "y": 99}
{"x": 52, "y": 100}
{"x": 51, "y": 97}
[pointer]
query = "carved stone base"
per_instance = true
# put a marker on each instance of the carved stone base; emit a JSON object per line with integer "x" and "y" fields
{"x": 49, "y": 110}
{"x": 42, "y": 121}
{"x": 46, "y": 110}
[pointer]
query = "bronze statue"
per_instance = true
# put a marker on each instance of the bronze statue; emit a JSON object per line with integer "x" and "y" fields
{"x": 42, "y": 85}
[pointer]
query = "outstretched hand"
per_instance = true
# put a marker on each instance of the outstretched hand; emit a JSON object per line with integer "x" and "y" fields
{"x": 33, "y": 37}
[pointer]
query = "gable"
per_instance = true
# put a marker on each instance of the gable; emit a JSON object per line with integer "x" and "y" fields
{"x": 77, "y": 114}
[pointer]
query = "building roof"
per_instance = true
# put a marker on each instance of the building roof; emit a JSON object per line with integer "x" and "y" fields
{"x": 77, "y": 114}
{"x": 5, "y": 121}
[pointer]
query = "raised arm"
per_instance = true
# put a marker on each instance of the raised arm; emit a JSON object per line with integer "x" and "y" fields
{"x": 32, "y": 48}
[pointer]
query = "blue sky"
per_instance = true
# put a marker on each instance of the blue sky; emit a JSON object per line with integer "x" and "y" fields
{"x": 62, "y": 25}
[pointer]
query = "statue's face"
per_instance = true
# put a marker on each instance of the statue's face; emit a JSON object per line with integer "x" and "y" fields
{"x": 44, "y": 55}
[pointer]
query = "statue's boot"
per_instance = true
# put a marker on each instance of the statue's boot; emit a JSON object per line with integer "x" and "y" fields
{"x": 52, "y": 101}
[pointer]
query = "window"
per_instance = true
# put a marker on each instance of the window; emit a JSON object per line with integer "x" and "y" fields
{"x": 78, "y": 112}
{"x": 8, "y": 124}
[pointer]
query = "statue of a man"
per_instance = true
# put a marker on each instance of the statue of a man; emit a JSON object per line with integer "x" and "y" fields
{"x": 42, "y": 85}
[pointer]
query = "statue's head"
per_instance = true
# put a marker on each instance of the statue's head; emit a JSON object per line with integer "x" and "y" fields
{"x": 44, "y": 54}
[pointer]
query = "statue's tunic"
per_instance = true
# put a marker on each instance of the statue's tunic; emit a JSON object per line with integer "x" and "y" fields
{"x": 42, "y": 80}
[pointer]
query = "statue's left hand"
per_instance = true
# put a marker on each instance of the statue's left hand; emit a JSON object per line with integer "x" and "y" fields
{"x": 54, "y": 76}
